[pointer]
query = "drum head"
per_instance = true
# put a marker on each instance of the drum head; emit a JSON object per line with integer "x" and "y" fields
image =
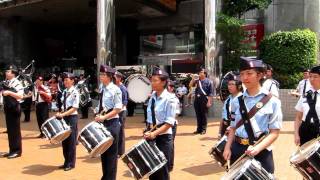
{"x": 139, "y": 87}
{"x": 305, "y": 151}
{"x": 238, "y": 169}
{"x": 101, "y": 148}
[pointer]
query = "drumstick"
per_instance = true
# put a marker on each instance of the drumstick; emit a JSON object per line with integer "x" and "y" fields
{"x": 244, "y": 155}
{"x": 228, "y": 164}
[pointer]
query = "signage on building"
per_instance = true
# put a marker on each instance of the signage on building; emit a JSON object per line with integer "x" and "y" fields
{"x": 253, "y": 34}
{"x": 169, "y": 4}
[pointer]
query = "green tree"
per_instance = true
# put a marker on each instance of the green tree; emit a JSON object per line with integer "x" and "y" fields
{"x": 239, "y": 7}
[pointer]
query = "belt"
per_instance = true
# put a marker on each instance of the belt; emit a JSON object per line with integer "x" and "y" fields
{"x": 242, "y": 141}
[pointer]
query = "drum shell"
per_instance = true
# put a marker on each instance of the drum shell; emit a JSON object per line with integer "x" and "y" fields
{"x": 95, "y": 138}
{"x": 247, "y": 168}
{"x": 144, "y": 159}
{"x": 308, "y": 165}
{"x": 217, "y": 151}
{"x": 55, "y": 130}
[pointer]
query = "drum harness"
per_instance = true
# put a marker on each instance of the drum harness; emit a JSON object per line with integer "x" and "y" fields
{"x": 246, "y": 116}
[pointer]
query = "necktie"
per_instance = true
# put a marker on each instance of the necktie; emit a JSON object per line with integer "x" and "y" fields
{"x": 153, "y": 112}
{"x": 100, "y": 101}
{"x": 64, "y": 101}
{"x": 304, "y": 87}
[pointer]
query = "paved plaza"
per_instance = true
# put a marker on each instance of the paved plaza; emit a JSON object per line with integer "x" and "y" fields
{"x": 40, "y": 159}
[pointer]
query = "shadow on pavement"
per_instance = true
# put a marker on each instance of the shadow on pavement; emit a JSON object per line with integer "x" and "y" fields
{"x": 185, "y": 134}
{"x": 49, "y": 146}
{"x": 39, "y": 169}
{"x": 127, "y": 173}
{"x": 204, "y": 169}
{"x": 208, "y": 139}
{"x": 88, "y": 159}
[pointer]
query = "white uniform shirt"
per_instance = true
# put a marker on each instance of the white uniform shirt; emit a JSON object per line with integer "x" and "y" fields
{"x": 271, "y": 86}
{"x": 36, "y": 97}
{"x": 301, "y": 84}
{"x": 303, "y": 106}
{"x": 16, "y": 84}
{"x": 72, "y": 99}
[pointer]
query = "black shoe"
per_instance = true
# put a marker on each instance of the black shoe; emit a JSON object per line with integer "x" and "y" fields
{"x": 68, "y": 168}
{"x": 196, "y": 132}
{"x": 203, "y": 132}
{"x": 13, "y": 155}
{"x": 5, "y": 154}
{"x": 62, "y": 167}
{"x": 40, "y": 136}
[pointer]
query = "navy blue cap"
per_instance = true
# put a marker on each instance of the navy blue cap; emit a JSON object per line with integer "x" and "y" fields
{"x": 250, "y": 63}
{"x": 68, "y": 75}
{"x": 306, "y": 70}
{"x": 315, "y": 69}
{"x": 269, "y": 67}
{"x": 158, "y": 71}
{"x": 107, "y": 69}
{"x": 12, "y": 67}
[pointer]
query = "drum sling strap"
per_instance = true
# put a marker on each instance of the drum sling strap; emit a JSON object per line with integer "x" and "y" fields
{"x": 226, "y": 122}
{"x": 247, "y": 116}
{"x": 312, "y": 116}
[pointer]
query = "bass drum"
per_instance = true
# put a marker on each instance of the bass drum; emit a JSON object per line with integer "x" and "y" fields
{"x": 139, "y": 87}
{"x": 223, "y": 87}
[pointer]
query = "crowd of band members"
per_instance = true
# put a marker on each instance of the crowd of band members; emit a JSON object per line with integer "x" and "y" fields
{"x": 162, "y": 108}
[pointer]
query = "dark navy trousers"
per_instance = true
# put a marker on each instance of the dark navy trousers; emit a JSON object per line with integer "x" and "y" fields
{"x": 109, "y": 158}
{"x": 200, "y": 107}
{"x": 12, "y": 116}
{"x": 164, "y": 143}
{"x": 69, "y": 144}
{"x": 265, "y": 157}
{"x": 121, "y": 144}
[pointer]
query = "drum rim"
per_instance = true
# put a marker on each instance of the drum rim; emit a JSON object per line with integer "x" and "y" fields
{"x": 85, "y": 127}
{"x": 52, "y": 141}
{"x": 243, "y": 166}
{"x": 102, "y": 142}
{"x": 133, "y": 147}
{"x": 45, "y": 122}
{"x": 295, "y": 160}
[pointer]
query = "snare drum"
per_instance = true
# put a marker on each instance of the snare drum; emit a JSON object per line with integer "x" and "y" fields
{"x": 306, "y": 160}
{"x": 55, "y": 130}
{"x": 139, "y": 87}
{"x": 247, "y": 168}
{"x": 95, "y": 138}
{"x": 217, "y": 151}
{"x": 144, "y": 159}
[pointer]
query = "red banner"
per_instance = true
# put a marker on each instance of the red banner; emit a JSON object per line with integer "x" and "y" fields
{"x": 254, "y": 34}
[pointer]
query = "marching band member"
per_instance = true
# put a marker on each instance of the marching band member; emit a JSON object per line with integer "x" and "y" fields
{"x": 304, "y": 85}
{"x": 122, "y": 115}
{"x": 235, "y": 90}
{"x": 161, "y": 113}
{"x": 12, "y": 99}
{"x": 269, "y": 83}
{"x": 267, "y": 120}
{"x": 176, "y": 101}
{"x": 84, "y": 109}
{"x": 110, "y": 101}
{"x": 306, "y": 126}
{"x": 203, "y": 100}
{"x": 70, "y": 104}
{"x": 42, "y": 106}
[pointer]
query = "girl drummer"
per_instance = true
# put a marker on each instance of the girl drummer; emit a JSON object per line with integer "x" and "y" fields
{"x": 70, "y": 103}
{"x": 111, "y": 102}
{"x": 235, "y": 90}
{"x": 306, "y": 126}
{"x": 268, "y": 120}
{"x": 163, "y": 109}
